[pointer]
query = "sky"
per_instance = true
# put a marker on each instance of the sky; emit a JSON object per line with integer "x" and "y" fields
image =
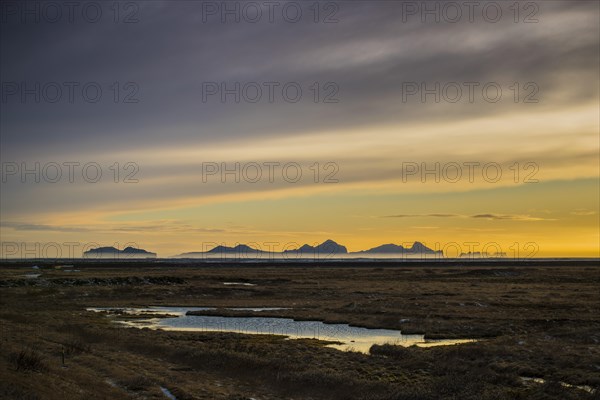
{"x": 175, "y": 126}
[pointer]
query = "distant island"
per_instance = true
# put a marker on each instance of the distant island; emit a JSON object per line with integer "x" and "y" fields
{"x": 112, "y": 252}
{"x": 327, "y": 249}
{"x": 416, "y": 248}
{"x": 240, "y": 249}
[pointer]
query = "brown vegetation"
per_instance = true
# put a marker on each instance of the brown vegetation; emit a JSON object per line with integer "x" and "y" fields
{"x": 533, "y": 321}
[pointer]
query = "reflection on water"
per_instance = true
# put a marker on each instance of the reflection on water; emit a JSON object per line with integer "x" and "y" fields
{"x": 589, "y": 389}
{"x": 167, "y": 393}
{"x": 175, "y": 311}
{"x": 350, "y": 337}
{"x": 258, "y": 309}
{"x": 238, "y": 284}
{"x": 172, "y": 311}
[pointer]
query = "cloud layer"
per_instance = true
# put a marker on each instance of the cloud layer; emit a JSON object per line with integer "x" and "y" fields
{"x": 366, "y": 71}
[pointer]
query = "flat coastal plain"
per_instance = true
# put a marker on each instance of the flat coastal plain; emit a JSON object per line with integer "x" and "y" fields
{"x": 535, "y": 327}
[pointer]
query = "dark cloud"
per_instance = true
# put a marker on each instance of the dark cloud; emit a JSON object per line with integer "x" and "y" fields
{"x": 164, "y": 226}
{"x": 38, "y": 227}
{"x": 369, "y": 54}
{"x": 510, "y": 217}
{"x": 477, "y": 216}
{"x": 422, "y": 215}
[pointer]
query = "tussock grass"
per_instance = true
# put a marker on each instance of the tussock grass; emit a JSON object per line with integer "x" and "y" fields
{"x": 29, "y": 360}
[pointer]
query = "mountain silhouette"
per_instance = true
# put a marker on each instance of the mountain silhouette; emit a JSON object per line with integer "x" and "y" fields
{"x": 416, "y": 248}
{"x": 240, "y": 248}
{"x": 325, "y": 248}
{"x": 113, "y": 252}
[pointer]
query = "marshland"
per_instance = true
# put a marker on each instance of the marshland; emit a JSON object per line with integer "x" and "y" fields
{"x": 525, "y": 330}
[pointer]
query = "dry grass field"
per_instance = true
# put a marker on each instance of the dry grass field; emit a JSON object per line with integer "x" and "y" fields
{"x": 532, "y": 320}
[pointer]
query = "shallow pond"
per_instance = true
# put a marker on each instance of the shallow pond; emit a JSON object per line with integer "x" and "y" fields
{"x": 350, "y": 337}
{"x": 167, "y": 393}
{"x": 541, "y": 381}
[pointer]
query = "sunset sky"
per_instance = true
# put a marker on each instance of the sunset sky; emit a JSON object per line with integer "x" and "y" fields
{"x": 369, "y": 142}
